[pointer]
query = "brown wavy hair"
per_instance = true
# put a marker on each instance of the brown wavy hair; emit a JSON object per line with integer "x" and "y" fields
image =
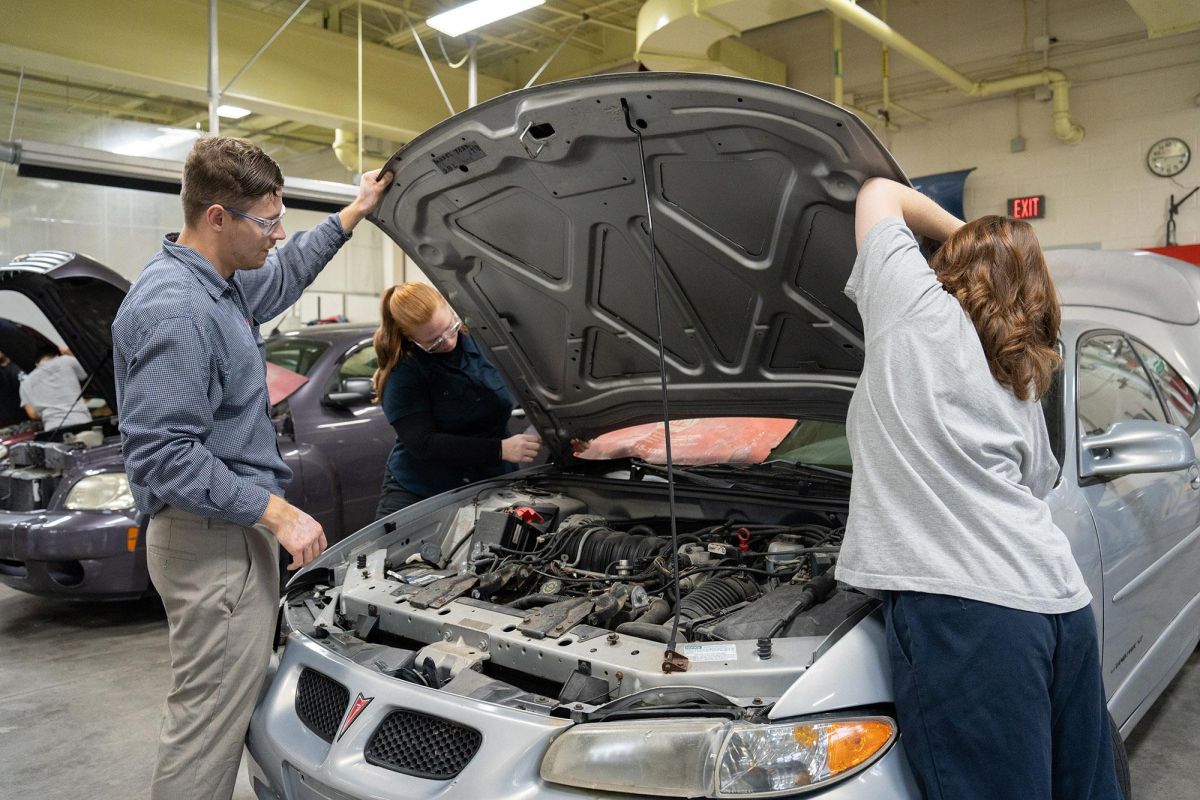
{"x": 995, "y": 268}
{"x": 403, "y": 307}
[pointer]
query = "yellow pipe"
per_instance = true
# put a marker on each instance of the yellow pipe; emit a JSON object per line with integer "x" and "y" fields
{"x": 1064, "y": 127}
{"x": 345, "y": 148}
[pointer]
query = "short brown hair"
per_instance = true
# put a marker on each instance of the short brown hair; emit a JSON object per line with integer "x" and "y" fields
{"x": 222, "y": 169}
{"x": 994, "y": 266}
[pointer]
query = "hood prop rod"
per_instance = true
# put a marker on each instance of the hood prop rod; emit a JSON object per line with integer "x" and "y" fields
{"x": 672, "y": 660}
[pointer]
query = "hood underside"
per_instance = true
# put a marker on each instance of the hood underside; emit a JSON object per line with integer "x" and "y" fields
{"x": 529, "y": 212}
{"x": 80, "y": 298}
{"x": 22, "y": 344}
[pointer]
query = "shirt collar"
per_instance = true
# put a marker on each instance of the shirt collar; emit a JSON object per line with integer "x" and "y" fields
{"x": 200, "y": 266}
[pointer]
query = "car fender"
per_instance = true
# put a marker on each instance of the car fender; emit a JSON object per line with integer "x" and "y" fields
{"x": 847, "y": 672}
{"x": 316, "y": 487}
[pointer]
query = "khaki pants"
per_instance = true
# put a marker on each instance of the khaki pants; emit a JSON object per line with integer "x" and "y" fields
{"x": 219, "y": 583}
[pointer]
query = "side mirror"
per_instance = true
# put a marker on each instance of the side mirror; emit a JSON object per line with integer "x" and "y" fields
{"x": 354, "y": 392}
{"x": 1133, "y": 446}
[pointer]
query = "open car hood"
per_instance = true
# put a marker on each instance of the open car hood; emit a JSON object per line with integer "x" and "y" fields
{"x": 528, "y": 213}
{"x": 22, "y": 344}
{"x": 80, "y": 298}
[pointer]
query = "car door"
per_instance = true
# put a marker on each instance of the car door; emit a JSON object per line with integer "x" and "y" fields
{"x": 1145, "y": 522}
{"x": 358, "y": 440}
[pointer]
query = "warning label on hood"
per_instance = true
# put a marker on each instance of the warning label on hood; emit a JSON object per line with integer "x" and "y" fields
{"x": 459, "y": 157}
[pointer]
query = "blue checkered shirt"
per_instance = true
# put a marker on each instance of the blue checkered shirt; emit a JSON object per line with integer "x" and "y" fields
{"x": 196, "y": 432}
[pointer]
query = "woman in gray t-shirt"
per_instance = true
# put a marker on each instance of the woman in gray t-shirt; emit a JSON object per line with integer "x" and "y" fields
{"x": 995, "y": 663}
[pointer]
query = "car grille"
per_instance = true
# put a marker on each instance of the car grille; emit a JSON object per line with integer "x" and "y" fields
{"x": 423, "y": 746}
{"x": 320, "y": 703}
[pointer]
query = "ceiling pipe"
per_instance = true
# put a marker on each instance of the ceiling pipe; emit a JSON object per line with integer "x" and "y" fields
{"x": 1066, "y": 129}
{"x": 345, "y": 149}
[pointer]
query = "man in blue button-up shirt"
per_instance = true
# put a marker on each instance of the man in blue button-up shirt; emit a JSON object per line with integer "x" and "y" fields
{"x": 200, "y": 449}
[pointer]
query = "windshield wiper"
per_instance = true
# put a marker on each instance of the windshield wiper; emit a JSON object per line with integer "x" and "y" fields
{"x": 792, "y": 466}
{"x": 637, "y": 467}
{"x": 780, "y": 470}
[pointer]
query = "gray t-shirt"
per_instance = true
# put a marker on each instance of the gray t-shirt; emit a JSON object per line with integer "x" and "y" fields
{"x": 53, "y": 389}
{"x": 950, "y": 468}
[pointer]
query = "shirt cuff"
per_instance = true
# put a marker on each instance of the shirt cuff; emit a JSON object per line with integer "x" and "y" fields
{"x": 248, "y": 505}
{"x": 341, "y": 234}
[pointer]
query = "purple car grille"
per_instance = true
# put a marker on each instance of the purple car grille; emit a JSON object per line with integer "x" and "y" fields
{"x": 423, "y": 746}
{"x": 320, "y": 703}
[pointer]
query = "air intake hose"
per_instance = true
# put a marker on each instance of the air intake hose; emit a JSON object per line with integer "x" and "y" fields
{"x": 716, "y": 594}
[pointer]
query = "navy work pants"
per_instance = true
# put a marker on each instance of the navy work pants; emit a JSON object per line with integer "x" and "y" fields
{"x": 393, "y": 496}
{"x": 999, "y": 704}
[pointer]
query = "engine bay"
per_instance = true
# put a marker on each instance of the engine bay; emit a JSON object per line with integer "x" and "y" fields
{"x": 546, "y": 598}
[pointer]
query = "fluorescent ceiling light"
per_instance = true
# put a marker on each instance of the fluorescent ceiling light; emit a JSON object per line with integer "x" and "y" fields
{"x": 167, "y": 138}
{"x": 232, "y": 112}
{"x": 458, "y": 21}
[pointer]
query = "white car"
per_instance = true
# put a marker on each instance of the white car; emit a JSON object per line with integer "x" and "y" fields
{"x": 513, "y": 639}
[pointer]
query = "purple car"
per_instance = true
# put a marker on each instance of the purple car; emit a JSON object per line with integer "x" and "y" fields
{"x": 68, "y": 527}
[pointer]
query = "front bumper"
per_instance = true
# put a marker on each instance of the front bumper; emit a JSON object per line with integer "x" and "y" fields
{"x": 288, "y": 761}
{"x": 81, "y": 555}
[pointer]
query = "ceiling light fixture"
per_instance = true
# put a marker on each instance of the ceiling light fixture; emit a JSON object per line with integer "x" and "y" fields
{"x": 458, "y": 21}
{"x": 232, "y": 112}
{"x": 166, "y": 139}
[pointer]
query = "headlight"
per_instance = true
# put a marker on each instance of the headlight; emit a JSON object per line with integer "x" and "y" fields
{"x": 715, "y": 758}
{"x": 107, "y": 491}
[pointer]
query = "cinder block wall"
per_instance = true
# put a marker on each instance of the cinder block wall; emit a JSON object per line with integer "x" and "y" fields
{"x": 1128, "y": 91}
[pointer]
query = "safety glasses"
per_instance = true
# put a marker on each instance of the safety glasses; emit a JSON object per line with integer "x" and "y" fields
{"x": 265, "y": 225}
{"x": 431, "y": 347}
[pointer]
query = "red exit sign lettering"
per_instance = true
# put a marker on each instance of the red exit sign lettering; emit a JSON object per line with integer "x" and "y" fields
{"x": 1027, "y": 207}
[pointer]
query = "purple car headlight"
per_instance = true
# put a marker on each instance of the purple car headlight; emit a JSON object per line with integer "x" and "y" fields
{"x": 107, "y": 491}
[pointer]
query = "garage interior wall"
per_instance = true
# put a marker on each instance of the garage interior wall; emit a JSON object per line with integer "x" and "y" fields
{"x": 123, "y": 228}
{"x": 1128, "y": 90}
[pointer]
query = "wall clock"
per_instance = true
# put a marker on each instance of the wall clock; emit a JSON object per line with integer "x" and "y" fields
{"x": 1168, "y": 157}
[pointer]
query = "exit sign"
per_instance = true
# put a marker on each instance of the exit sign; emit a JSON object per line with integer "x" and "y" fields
{"x": 1027, "y": 207}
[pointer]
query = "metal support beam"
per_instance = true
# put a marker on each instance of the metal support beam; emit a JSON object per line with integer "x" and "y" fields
{"x": 473, "y": 74}
{"x": 306, "y": 75}
{"x": 99, "y": 167}
{"x": 266, "y": 44}
{"x": 557, "y": 50}
{"x": 214, "y": 78}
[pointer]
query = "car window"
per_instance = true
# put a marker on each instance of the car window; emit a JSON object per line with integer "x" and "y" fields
{"x": 1112, "y": 386}
{"x": 728, "y": 440}
{"x": 705, "y": 440}
{"x": 1052, "y": 410}
{"x": 295, "y": 354}
{"x": 814, "y": 441}
{"x": 1176, "y": 395}
{"x": 359, "y": 364}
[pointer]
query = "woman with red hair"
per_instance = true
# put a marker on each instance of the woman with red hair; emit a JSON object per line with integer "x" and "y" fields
{"x": 992, "y": 643}
{"x": 448, "y": 404}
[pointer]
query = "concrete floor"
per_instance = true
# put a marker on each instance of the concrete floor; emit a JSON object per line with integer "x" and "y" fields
{"x": 81, "y": 688}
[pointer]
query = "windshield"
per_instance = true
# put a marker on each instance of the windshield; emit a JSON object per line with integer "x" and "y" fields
{"x": 295, "y": 354}
{"x": 728, "y": 440}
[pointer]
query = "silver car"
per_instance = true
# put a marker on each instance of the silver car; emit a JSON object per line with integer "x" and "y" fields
{"x": 532, "y": 636}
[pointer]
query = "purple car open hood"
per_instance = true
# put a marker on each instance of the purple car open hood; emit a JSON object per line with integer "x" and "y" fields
{"x": 528, "y": 213}
{"x": 80, "y": 298}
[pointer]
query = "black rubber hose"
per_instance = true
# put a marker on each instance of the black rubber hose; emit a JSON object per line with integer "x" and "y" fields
{"x": 657, "y": 613}
{"x": 532, "y": 600}
{"x": 716, "y": 594}
{"x": 644, "y": 630}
